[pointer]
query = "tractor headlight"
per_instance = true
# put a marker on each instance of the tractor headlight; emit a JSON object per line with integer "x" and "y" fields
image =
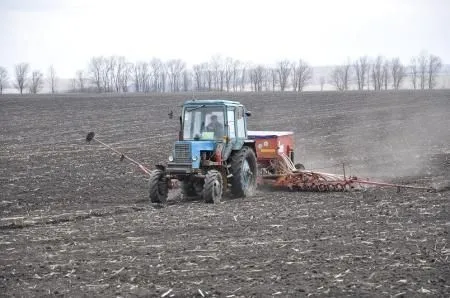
{"x": 170, "y": 158}
{"x": 194, "y": 158}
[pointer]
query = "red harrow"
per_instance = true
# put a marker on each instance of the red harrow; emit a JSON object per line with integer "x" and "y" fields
{"x": 298, "y": 179}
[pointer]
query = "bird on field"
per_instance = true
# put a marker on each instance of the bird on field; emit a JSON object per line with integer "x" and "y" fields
{"x": 90, "y": 136}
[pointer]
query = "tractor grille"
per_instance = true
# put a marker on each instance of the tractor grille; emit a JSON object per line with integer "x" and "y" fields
{"x": 183, "y": 153}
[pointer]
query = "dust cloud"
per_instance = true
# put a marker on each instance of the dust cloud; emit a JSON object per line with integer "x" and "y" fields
{"x": 385, "y": 143}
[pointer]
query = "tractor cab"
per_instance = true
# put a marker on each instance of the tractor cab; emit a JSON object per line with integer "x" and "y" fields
{"x": 219, "y": 120}
{"x": 202, "y": 122}
{"x": 209, "y": 131}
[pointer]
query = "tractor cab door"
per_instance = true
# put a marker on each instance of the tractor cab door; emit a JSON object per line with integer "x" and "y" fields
{"x": 241, "y": 126}
{"x": 236, "y": 127}
{"x": 231, "y": 124}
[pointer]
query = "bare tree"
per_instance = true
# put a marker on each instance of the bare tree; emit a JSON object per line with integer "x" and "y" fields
{"x": 73, "y": 84}
{"x": 187, "y": 80}
{"x": 364, "y": 64}
{"x": 216, "y": 68}
{"x": 244, "y": 74}
{"x": 156, "y": 69}
{"x": 228, "y": 73}
{"x": 80, "y": 80}
{"x": 274, "y": 75}
{"x": 414, "y": 69}
{"x": 385, "y": 74}
{"x": 96, "y": 69}
{"x": 360, "y": 67}
{"x": 267, "y": 79}
{"x": 303, "y": 73}
{"x": 253, "y": 76}
{"x": 22, "y": 70}
{"x": 294, "y": 77}
{"x": 163, "y": 77}
{"x": 141, "y": 77}
{"x": 359, "y": 76}
{"x": 116, "y": 74}
{"x": 175, "y": 69}
{"x": 145, "y": 77}
{"x": 136, "y": 77}
{"x": 337, "y": 78}
{"x": 199, "y": 76}
{"x": 434, "y": 65}
{"x": 221, "y": 78}
{"x": 397, "y": 72}
{"x": 284, "y": 70}
{"x": 36, "y": 81}
{"x": 423, "y": 68}
{"x": 377, "y": 73}
{"x": 3, "y": 79}
{"x": 340, "y": 76}
{"x": 257, "y": 76}
{"x": 108, "y": 73}
{"x": 120, "y": 71}
{"x": 209, "y": 76}
{"x": 322, "y": 82}
{"x": 347, "y": 74}
{"x": 52, "y": 78}
{"x": 237, "y": 71}
{"x": 126, "y": 75}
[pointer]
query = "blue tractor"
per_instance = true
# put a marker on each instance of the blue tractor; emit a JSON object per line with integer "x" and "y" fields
{"x": 213, "y": 153}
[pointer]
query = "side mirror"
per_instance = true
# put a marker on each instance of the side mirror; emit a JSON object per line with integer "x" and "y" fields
{"x": 248, "y": 113}
{"x": 180, "y": 133}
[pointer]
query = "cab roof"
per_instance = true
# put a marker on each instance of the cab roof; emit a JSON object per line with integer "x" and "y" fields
{"x": 224, "y": 102}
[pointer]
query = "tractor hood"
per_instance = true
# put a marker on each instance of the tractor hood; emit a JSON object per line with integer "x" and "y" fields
{"x": 188, "y": 152}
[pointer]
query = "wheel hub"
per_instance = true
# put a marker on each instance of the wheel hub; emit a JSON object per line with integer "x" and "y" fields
{"x": 246, "y": 174}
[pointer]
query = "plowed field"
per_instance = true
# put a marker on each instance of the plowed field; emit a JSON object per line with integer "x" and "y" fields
{"x": 75, "y": 221}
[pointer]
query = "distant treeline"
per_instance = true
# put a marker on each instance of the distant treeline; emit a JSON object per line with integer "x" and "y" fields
{"x": 117, "y": 74}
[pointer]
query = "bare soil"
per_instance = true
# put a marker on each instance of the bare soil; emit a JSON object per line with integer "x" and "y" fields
{"x": 75, "y": 221}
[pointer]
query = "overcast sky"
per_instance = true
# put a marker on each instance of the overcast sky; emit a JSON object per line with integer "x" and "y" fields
{"x": 66, "y": 33}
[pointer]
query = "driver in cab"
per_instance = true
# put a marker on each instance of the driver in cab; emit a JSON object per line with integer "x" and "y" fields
{"x": 215, "y": 126}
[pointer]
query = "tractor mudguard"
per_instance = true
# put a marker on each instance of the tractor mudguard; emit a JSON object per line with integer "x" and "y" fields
{"x": 251, "y": 144}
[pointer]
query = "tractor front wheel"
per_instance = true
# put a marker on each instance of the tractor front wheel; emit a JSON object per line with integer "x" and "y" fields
{"x": 244, "y": 170}
{"x": 159, "y": 189}
{"x": 213, "y": 187}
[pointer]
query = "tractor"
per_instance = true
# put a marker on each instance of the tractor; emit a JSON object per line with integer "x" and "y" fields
{"x": 213, "y": 153}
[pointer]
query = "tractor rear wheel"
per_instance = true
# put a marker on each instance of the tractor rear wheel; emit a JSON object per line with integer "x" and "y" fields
{"x": 159, "y": 189}
{"x": 244, "y": 170}
{"x": 213, "y": 187}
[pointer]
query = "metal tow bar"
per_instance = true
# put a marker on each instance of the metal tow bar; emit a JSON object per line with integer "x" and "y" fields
{"x": 91, "y": 137}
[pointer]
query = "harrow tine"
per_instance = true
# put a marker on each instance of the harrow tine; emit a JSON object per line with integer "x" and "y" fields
{"x": 285, "y": 175}
{"x": 392, "y": 185}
